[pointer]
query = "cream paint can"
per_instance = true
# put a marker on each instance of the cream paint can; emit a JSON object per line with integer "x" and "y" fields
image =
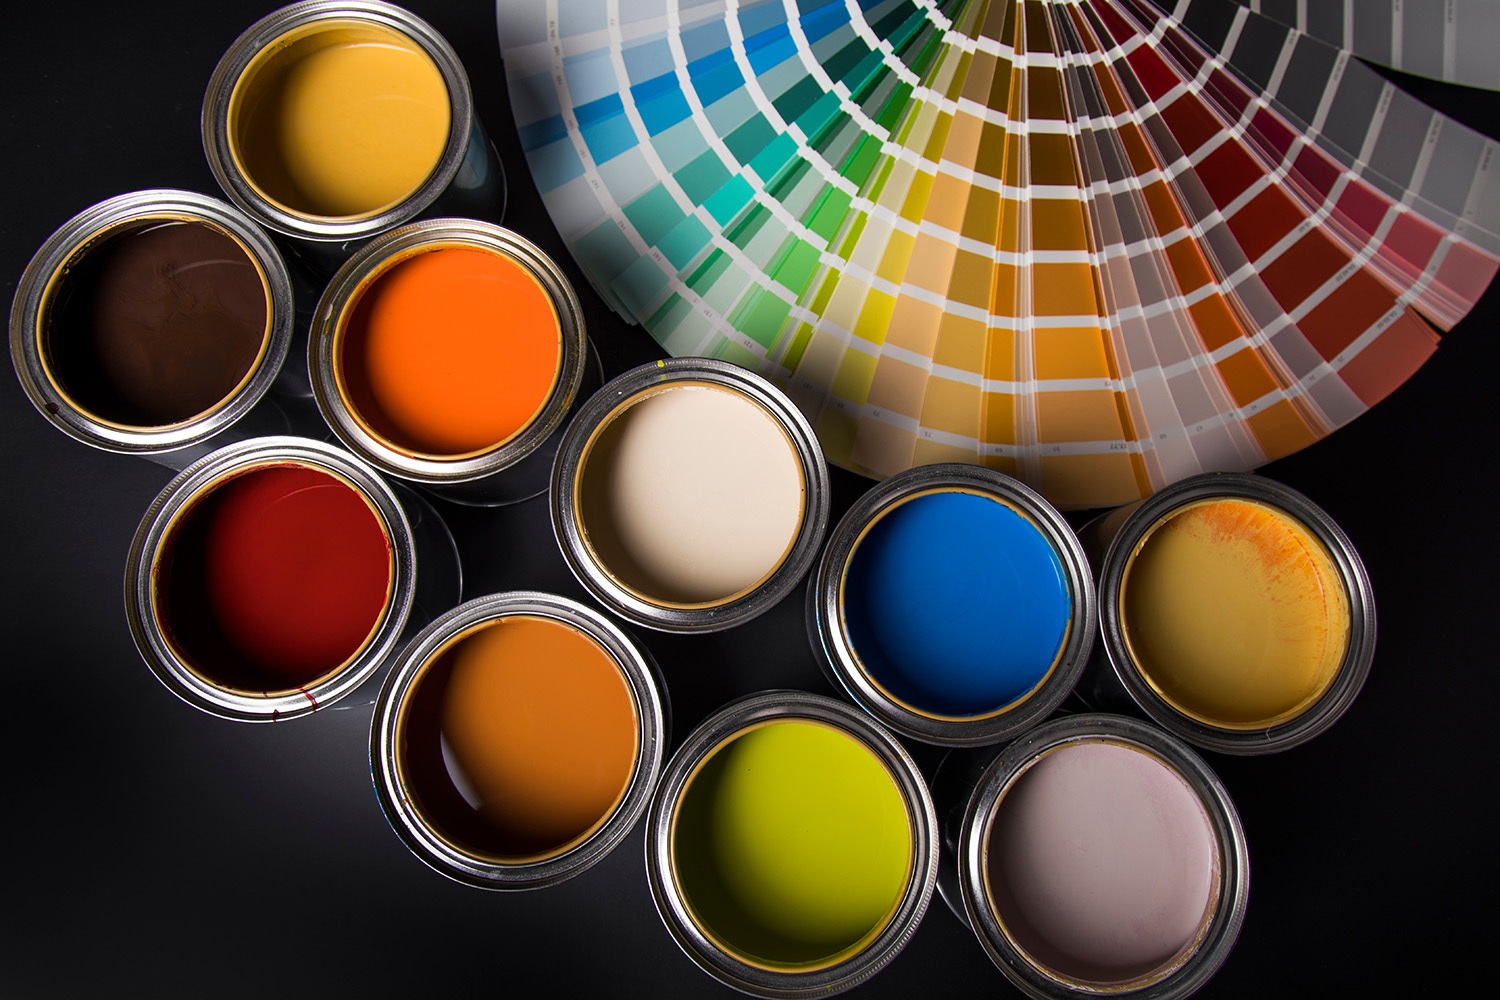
{"x": 689, "y": 495}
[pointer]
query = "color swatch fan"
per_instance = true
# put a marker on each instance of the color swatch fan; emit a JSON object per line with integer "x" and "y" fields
{"x": 1097, "y": 244}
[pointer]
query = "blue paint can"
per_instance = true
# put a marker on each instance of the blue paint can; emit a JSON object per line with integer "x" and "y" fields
{"x": 954, "y": 604}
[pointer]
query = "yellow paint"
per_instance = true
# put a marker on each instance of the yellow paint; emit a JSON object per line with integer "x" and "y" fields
{"x": 875, "y": 317}
{"x": 856, "y": 371}
{"x": 1234, "y": 613}
{"x": 339, "y": 119}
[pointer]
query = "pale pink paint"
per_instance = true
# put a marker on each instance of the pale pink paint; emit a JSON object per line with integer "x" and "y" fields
{"x": 1102, "y": 864}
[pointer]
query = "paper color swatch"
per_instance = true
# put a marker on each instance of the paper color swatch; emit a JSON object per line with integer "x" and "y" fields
{"x": 1096, "y": 244}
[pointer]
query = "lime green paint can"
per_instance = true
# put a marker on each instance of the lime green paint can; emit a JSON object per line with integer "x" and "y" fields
{"x": 791, "y": 848}
{"x": 792, "y": 844}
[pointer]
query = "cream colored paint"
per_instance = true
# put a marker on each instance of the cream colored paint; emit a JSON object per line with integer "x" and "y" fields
{"x": 690, "y": 495}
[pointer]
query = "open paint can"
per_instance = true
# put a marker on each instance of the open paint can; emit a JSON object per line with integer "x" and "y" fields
{"x": 1099, "y": 856}
{"x": 154, "y": 323}
{"x": 275, "y": 576}
{"x": 333, "y": 120}
{"x": 954, "y": 603}
{"x": 792, "y": 846}
{"x": 449, "y": 353}
{"x": 518, "y": 740}
{"x": 689, "y": 495}
{"x": 1234, "y": 612}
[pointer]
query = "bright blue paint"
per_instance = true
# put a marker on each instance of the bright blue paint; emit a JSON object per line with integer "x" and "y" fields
{"x": 955, "y": 603}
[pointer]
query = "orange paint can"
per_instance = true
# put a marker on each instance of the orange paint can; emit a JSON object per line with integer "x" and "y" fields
{"x": 518, "y": 740}
{"x": 449, "y": 353}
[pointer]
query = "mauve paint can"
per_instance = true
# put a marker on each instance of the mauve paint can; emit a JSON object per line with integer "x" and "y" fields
{"x": 1095, "y": 855}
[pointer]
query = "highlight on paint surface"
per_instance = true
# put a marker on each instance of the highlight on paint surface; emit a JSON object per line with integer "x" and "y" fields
{"x": 1235, "y": 613}
{"x": 339, "y": 118}
{"x": 158, "y": 321}
{"x": 955, "y": 603}
{"x": 791, "y": 843}
{"x": 518, "y": 740}
{"x": 1100, "y": 245}
{"x": 273, "y": 578}
{"x": 448, "y": 352}
{"x": 691, "y": 494}
{"x": 1101, "y": 865}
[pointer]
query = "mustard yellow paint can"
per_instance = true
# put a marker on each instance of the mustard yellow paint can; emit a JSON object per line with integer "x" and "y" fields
{"x": 331, "y": 121}
{"x": 1236, "y": 613}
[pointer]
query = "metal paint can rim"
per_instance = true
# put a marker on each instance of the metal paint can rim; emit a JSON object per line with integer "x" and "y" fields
{"x": 362, "y": 268}
{"x": 572, "y": 456}
{"x": 835, "y": 652}
{"x": 732, "y": 719}
{"x": 264, "y": 33}
{"x": 1222, "y": 928}
{"x": 71, "y": 241}
{"x": 192, "y": 483}
{"x": 648, "y": 693}
{"x": 1359, "y": 653}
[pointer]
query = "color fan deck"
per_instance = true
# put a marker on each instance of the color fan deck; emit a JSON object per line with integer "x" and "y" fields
{"x": 1100, "y": 245}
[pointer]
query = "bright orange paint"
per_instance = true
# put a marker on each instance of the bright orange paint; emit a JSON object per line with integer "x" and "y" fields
{"x": 449, "y": 352}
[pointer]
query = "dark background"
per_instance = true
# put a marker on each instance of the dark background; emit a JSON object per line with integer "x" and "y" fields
{"x": 149, "y": 849}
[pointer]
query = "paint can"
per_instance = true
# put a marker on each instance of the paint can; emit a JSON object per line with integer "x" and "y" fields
{"x": 689, "y": 495}
{"x": 501, "y": 775}
{"x": 1095, "y": 855}
{"x": 792, "y": 847}
{"x": 450, "y": 353}
{"x": 954, "y": 603}
{"x": 1234, "y": 612}
{"x": 276, "y": 576}
{"x": 333, "y": 120}
{"x": 154, "y": 323}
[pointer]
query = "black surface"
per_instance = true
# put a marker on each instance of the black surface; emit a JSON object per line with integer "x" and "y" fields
{"x": 149, "y": 849}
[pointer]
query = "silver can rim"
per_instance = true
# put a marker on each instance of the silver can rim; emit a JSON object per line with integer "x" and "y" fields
{"x": 1223, "y": 926}
{"x": 214, "y": 122}
{"x": 187, "y": 486}
{"x": 836, "y": 654}
{"x": 369, "y": 259}
{"x": 1358, "y": 655}
{"x": 784, "y": 705}
{"x": 647, "y": 690}
{"x": 571, "y": 459}
{"x": 73, "y": 235}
